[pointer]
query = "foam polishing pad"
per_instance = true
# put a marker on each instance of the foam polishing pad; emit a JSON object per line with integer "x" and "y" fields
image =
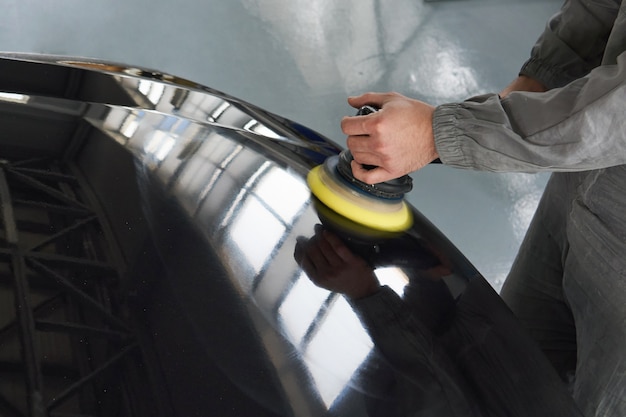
{"x": 373, "y": 211}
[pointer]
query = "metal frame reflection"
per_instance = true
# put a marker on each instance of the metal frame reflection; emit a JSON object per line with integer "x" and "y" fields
{"x": 216, "y": 190}
{"x": 231, "y": 224}
{"x": 224, "y": 185}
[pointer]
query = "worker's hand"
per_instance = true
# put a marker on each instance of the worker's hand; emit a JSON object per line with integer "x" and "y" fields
{"x": 523, "y": 83}
{"x": 398, "y": 138}
{"x": 331, "y": 265}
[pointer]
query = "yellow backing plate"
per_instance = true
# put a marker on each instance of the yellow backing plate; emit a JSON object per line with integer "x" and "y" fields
{"x": 396, "y": 219}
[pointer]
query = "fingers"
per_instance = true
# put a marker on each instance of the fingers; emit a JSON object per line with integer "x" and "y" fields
{"x": 397, "y": 139}
{"x": 320, "y": 252}
{"x": 365, "y": 124}
{"x": 330, "y": 264}
{"x": 364, "y": 134}
{"x": 359, "y": 126}
{"x": 372, "y": 176}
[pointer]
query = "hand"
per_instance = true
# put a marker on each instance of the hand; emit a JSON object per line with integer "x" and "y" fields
{"x": 523, "y": 83}
{"x": 398, "y": 138}
{"x": 331, "y": 265}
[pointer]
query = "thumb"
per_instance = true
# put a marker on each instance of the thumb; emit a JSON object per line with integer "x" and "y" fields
{"x": 370, "y": 176}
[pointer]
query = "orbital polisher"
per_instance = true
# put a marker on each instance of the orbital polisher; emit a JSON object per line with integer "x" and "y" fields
{"x": 378, "y": 206}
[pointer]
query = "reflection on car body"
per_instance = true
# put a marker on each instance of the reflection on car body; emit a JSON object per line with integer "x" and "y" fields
{"x": 167, "y": 214}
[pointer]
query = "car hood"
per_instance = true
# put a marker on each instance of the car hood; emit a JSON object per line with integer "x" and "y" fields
{"x": 202, "y": 199}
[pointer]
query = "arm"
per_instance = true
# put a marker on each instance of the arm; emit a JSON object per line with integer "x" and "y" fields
{"x": 578, "y": 127}
{"x": 558, "y": 130}
{"x": 479, "y": 363}
{"x": 435, "y": 385}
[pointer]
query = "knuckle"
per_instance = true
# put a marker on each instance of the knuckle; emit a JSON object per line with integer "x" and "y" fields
{"x": 374, "y": 127}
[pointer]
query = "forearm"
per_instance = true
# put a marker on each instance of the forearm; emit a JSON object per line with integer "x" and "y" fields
{"x": 578, "y": 127}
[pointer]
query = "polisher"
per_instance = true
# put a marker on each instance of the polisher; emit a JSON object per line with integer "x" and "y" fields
{"x": 379, "y": 206}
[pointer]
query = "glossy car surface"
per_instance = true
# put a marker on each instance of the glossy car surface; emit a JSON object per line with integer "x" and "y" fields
{"x": 149, "y": 229}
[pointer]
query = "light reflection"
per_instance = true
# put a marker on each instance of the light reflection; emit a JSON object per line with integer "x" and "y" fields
{"x": 256, "y": 127}
{"x": 337, "y": 350}
{"x": 286, "y": 194}
{"x": 160, "y": 145}
{"x": 14, "y": 98}
{"x": 393, "y": 277}
{"x": 218, "y": 112}
{"x": 151, "y": 90}
{"x": 195, "y": 105}
{"x": 256, "y": 232}
{"x": 210, "y": 151}
{"x": 243, "y": 193}
{"x": 453, "y": 77}
{"x": 450, "y": 76}
{"x": 300, "y": 308}
{"x": 523, "y": 212}
{"x": 130, "y": 125}
{"x": 256, "y": 203}
{"x": 121, "y": 123}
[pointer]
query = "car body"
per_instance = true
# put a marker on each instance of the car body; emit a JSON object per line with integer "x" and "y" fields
{"x": 149, "y": 228}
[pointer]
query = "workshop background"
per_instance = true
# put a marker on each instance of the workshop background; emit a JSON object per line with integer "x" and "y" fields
{"x": 301, "y": 59}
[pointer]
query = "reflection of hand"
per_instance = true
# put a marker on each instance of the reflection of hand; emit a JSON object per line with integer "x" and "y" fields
{"x": 331, "y": 265}
{"x": 398, "y": 138}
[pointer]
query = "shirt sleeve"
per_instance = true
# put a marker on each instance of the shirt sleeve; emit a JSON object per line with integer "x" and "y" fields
{"x": 577, "y": 125}
{"x": 574, "y": 128}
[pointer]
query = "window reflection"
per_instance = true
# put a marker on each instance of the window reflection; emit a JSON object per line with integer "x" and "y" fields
{"x": 130, "y": 124}
{"x": 256, "y": 127}
{"x": 218, "y": 112}
{"x": 256, "y": 232}
{"x": 341, "y": 345}
{"x": 249, "y": 207}
{"x": 160, "y": 145}
{"x": 393, "y": 277}
{"x": 151, "y": 90}
{"x": 300, "y": 308}
{"x": 14, "y": 98}
{"x": 257, "y": 222}
{"x": 212, "y": 180}
{"x": 200, "y": 106}
{"x": 283, "y": 193}
{"x": 120, "y": 123}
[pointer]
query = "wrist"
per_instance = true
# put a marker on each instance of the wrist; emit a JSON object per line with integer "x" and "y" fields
{"x": 523, "y": 83}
